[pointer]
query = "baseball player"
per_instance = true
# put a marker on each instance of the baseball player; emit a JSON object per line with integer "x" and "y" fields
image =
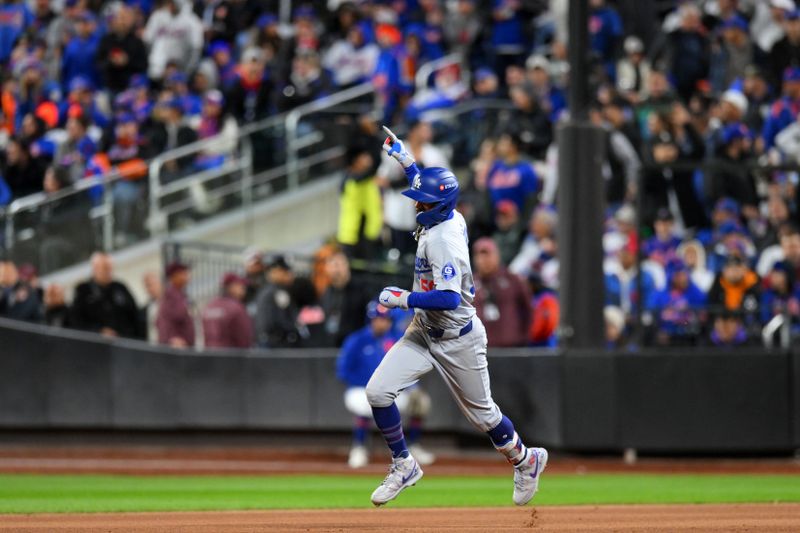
{"x": 445, "y": 334}
{"x": 361, "y": 354}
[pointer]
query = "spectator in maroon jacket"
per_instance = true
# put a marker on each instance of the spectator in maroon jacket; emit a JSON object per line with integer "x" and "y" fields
{"x": 502, "y": 299}
{"x": 175, "y": 323}
{"x": 225, "y": 320}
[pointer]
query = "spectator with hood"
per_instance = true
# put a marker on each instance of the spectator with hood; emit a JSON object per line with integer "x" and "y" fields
{"x": 104, "y": 305}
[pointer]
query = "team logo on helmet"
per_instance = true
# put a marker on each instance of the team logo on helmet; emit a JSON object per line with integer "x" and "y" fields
{"x": 417, "y": 182}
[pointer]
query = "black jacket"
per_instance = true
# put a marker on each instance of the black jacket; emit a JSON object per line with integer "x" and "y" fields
{"x": 95, "y": 307}
{"x": 116, "y": 78}
{"x": 345, "y": 310}
{"x": 20, "y": 302}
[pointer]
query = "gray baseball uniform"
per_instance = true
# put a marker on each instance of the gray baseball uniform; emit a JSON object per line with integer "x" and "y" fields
{"x": 442, "y": 263}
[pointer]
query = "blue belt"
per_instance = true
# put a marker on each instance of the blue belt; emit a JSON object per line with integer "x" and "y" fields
{"x": 436, "y": 333}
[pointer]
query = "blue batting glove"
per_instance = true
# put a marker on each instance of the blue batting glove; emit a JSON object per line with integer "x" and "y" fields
{"x": 396, "y": 149}
{"x": 392, "y": 297}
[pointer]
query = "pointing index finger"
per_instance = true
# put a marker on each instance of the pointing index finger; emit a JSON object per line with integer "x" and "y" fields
{"x": 390, "y": 134}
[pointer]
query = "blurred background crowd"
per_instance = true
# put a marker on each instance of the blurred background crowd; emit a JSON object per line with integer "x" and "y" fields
{"x": 700, "y": 101}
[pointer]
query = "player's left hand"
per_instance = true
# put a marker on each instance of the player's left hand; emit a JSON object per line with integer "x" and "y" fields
{"x": 396, "y": 149}
{"x": 392, "y": 297}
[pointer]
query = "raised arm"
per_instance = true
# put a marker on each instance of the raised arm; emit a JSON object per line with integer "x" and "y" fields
{"x": 396, "y": 149}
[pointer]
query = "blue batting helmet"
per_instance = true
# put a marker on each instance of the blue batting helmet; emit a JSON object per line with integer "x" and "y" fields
{"x": 434, "y": 185}
{"x": 376, "y": 310}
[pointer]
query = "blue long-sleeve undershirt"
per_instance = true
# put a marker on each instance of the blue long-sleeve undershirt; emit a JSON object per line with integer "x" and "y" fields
{"x": 412, "y": 171}
{"x": 434, "y": 300}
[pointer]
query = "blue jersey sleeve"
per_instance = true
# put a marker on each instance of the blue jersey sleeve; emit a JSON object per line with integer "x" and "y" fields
{"x": 411, "y": 173}
{"x": 434, "y": 300}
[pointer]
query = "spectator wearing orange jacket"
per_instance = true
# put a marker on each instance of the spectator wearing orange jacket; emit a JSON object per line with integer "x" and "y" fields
{"x": 546, "y": 313}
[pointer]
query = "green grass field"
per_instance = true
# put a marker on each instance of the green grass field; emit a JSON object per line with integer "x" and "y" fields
{"x": 29, "y": 493}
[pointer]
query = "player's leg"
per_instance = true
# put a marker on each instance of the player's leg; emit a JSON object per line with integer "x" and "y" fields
{"x": 401, "y": 367}
{"x": 463, "y": 365}
{"x": 355, "y": 400}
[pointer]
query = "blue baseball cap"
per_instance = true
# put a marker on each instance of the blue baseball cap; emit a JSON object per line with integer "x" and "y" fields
{"x": 177, "y": 77}
{"x": 791, "y": 74}
{"x": 734, "y": 132}
{"x": 304, "y": 12}
{"x": 735, "y": 22}
{"x": 376, "y": 310}
{"x": 484, "y": 73}
{"x": 219, "y": 46}
{"x": 80, "y": 83}
{"x": 265, "y": 20}
{"x": 125, "y": 118}
{"x": 139, "y": 81}
{"x": 728, "y": 205}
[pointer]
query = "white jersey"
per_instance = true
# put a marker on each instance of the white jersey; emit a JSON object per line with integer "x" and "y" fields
{"x": 442, "y": 263}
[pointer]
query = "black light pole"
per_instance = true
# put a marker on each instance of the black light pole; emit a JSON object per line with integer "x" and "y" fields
{"x": 580, "y": 200}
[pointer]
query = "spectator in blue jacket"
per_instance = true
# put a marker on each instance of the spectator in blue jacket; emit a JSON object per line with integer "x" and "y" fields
{"x": 14, "y": 18}
{"x": 511, "y": 177}
{"x": 663, "y": 246}
{"x": 508, "y": 41}
{"x": 605, "y": 32}
{"x": 677, "y": 307}
{"x": 361, "y": 354}
{"x": 79, "y": 54}
{"x": 394, "y": 76}
{"x": 784, "y": 111}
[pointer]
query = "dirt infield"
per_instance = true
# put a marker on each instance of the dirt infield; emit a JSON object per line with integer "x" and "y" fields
{"x": 767, "y": 517}
{"x": 158, "y": 460}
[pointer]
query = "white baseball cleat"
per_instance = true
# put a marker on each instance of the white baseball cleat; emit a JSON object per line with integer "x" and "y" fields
{"x": 402, "y": 473}
{"x": 527, "y": 475}
{"x": 423, "y": 456}
{"x": 358, "y": 458}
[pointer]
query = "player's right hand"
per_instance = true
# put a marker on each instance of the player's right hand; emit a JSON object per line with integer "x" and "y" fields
{"x": 392, "y": 297}
{"x": 396, "y": 149}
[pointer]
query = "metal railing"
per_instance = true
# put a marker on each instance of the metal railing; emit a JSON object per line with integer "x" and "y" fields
{"x": 210, "y": 261}
{"x": 424, "y": 72}
{"x": 252, "y": 166}
{"x": 295, "y": 143}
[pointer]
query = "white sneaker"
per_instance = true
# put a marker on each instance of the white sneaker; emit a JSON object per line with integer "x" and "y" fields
{"x": 527, "y": 475}
{"x": 402, "y": 473}
{"x": 359, "y": 458}
{"x": 423, "y": 456}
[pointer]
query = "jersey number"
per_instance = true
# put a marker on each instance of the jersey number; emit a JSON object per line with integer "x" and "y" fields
{"x": 427, "y": 285}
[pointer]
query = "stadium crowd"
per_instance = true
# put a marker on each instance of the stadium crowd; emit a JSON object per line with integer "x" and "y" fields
{"x": 700, "y": 101}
